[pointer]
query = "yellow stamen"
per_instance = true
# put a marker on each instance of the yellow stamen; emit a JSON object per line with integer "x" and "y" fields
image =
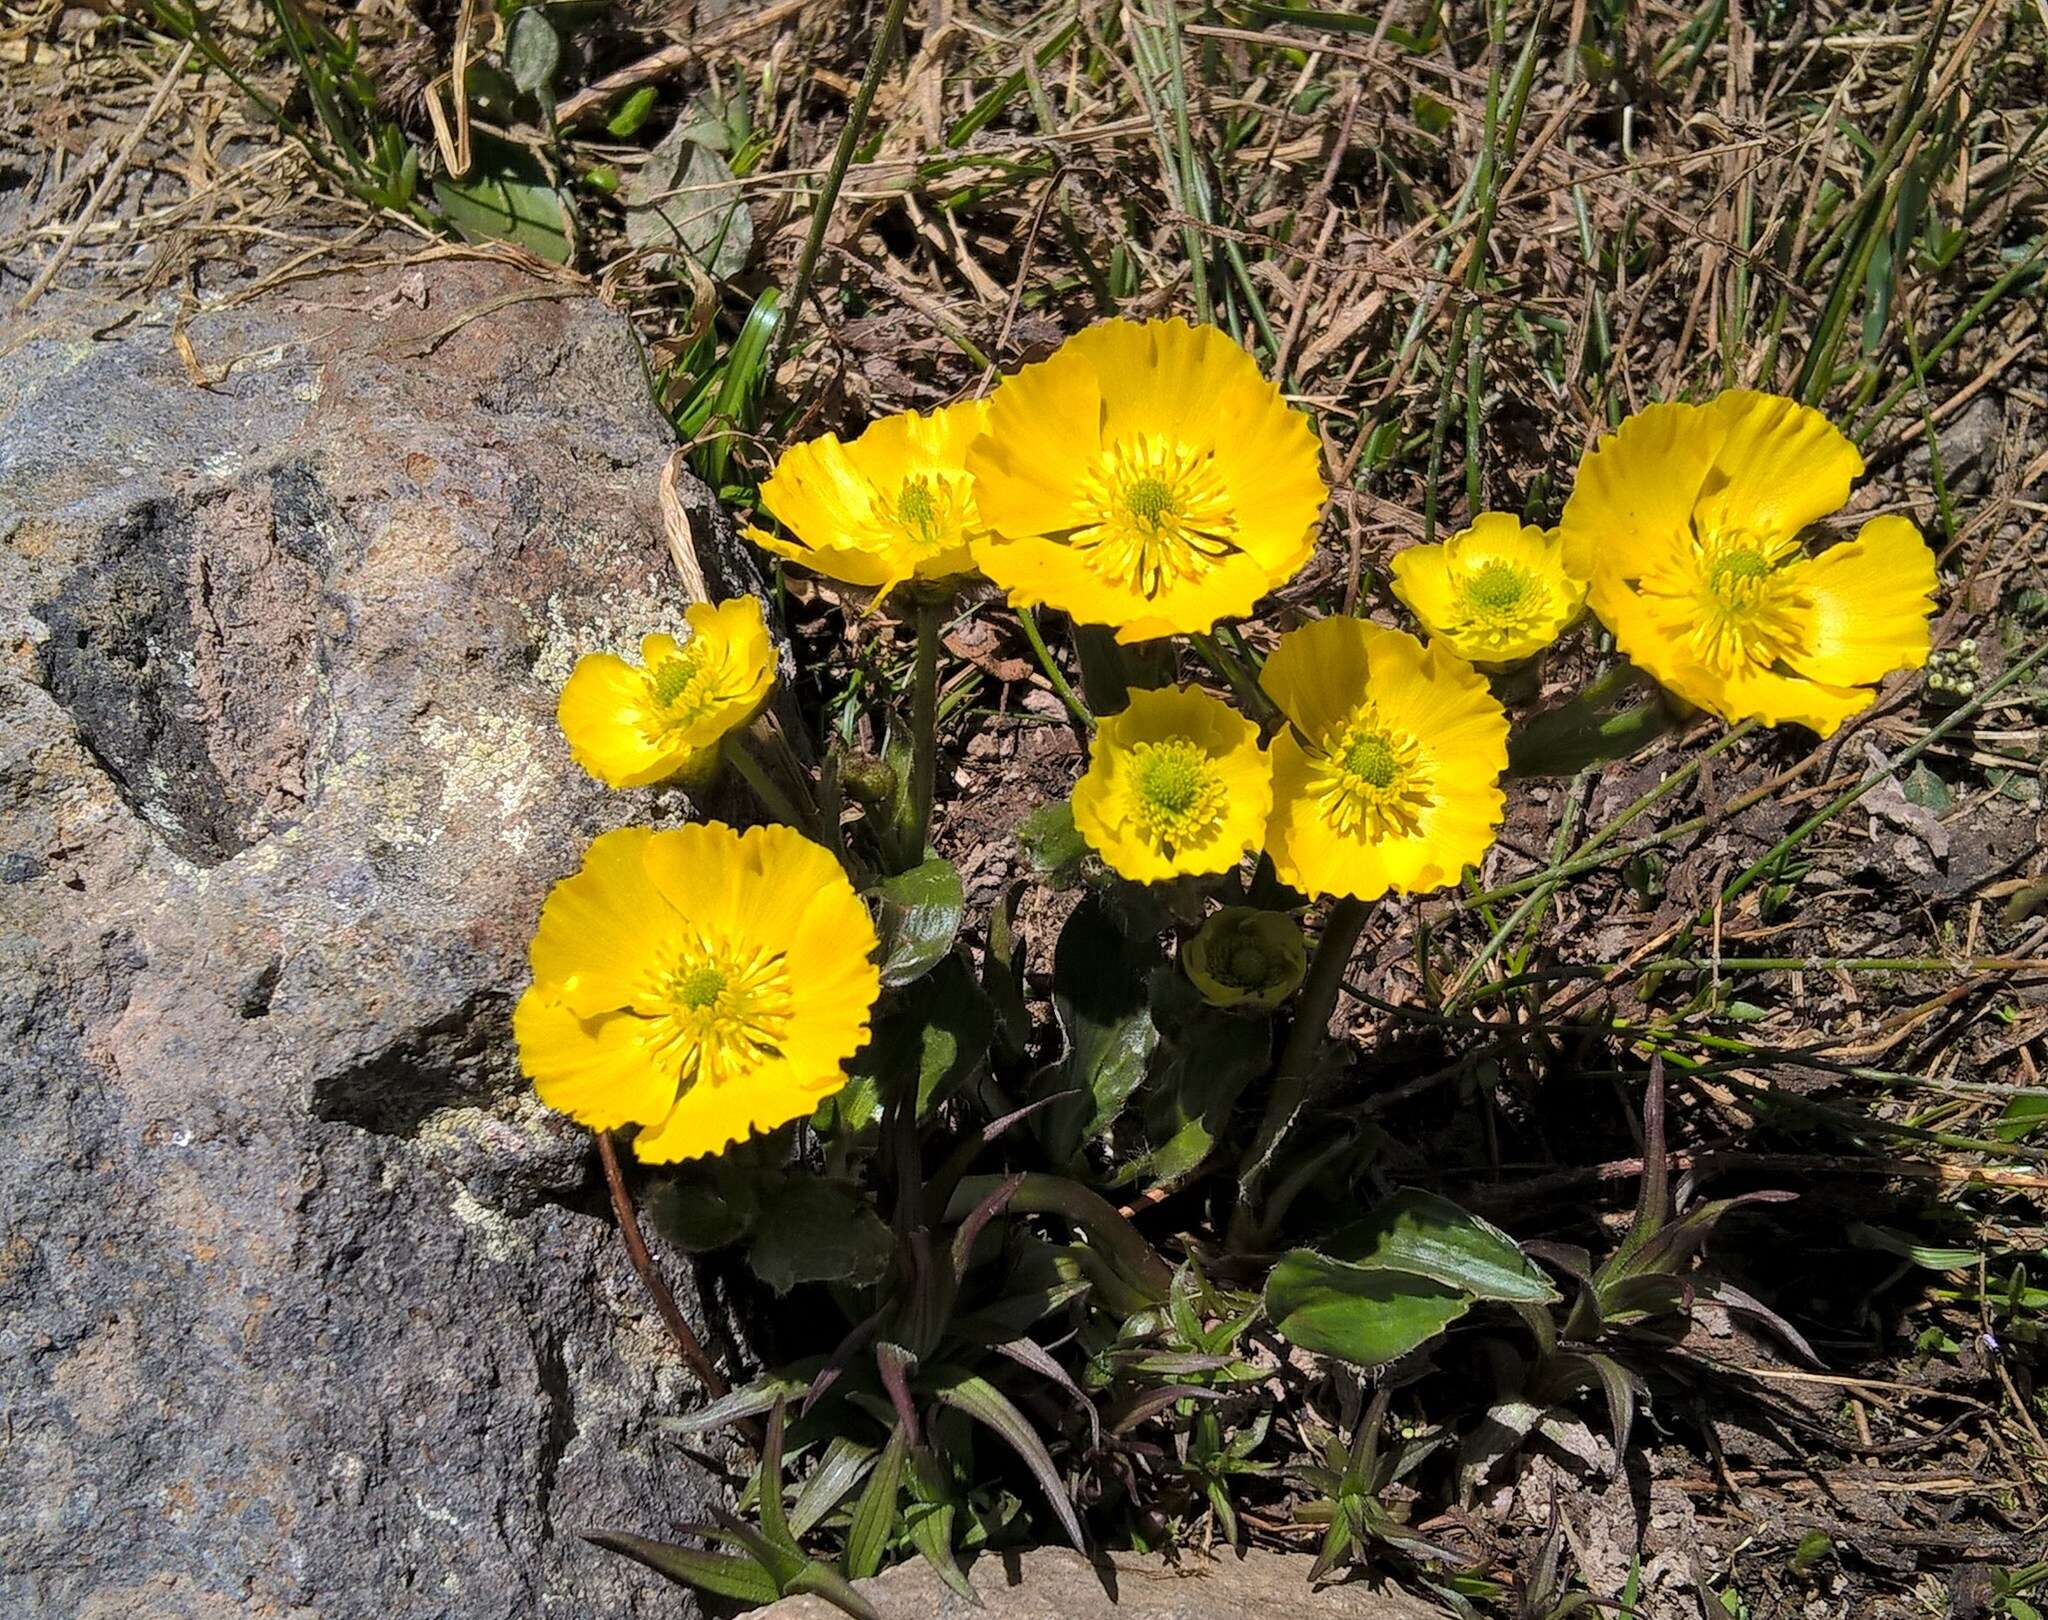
{"x": 1179, "y": 798}
{"x": 728, "y": 1013}
{"x": 1159, "y": 514}
{"x": 1375, "y": 781}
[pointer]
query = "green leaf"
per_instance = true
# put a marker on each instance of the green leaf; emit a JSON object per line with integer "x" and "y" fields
{"x": 533, "y": 54}
{"x": 830, "y": 1483}
{"x": 721, "y": 1574}
{"x": 632, "y": 113}
{"x": 1591, "y": 729}
{"x": 1928, "y": 1256}
{"x": 938, "y": 1030}
{"x": 921, "y": 911}
{"x": 1051, "y": 843}
{"x": 1924, "y": 788}
{"x": 1427, "y": 1236}
{"x": 982, "y": 1401}
{"x": 930, "y": 1527}
{"x": 686, "y": 200}
{"x": 816, "y": 1230}
{"x": 1100, "y": 979}
{"x": 1204, "y": 1061}
{"x": 2021, "y": 1118}
{"x": 874, "y": 1517}
{"x": 506, "y": 197}
{"x": 701, "y": 1210}
{"x": 750, "y": 1401}
{"x": 1365, "y": 1316}
{"x": 1430, "y": 114}
{"x": 774, "y": 1515}
{"x": 822, "y": 1580}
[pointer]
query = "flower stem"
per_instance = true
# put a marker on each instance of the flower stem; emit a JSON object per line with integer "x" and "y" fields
{"x": 1028, "y": 621}
{"x": 924, "y": 729}
{"x": 1231, "y": 668}
{"x": 740, "y": 754}
{"x": 636, "y": 1250}
{"x": 1297, "y": 1059}
{"x": 1103, "y": 675}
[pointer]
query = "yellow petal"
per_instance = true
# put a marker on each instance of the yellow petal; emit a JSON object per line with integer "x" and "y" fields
{"x": 1632, "y": 502}
{"x": 1420, "y": 578}
{"x": 709, "y": 1118}
{"x": 1307, "y": 852}
{"x": 1779, "y": 467}
{"x": 1317, "y": 673}
{"x": 604, "y": 932}
{"x": 1786, "y": 700}
{"x": 602, "y": 712}
{"x": 1044, "y": 431}
{"x": 598, "y": 1071}
{"x": 1872, "y": 597}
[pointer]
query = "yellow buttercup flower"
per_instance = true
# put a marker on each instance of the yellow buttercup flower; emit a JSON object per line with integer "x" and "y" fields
{"x": 1689, "y": 520}
{"x": 629, "y": 725}
{"x": 1246, "y": 958}
{"x": 699, "y": 983}
{"x": 1387, "y": 774}
{"x": 895, "y": 504}
{"x": 1494, "y": 593}
{"x": 1145, "y": 477}
{"x": 1176, "y": 786}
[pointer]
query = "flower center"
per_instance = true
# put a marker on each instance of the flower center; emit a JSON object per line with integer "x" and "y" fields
{"x": 1370, "y": 758}
{"x": 915, "y": 508}
{"x": 700, "y": 987}
{"x": 1249, "y": 966}
{"x": 1178, "y": 797}
{"x": 1736, "y": 575}
{"x": 1149, "y": 499}
{"x": 728, "y": 1012}
{"x": 1497, "y": 588}
{"x": 1742, "y": 609}
{"x": 1375, "y": 782}
{"x": 674, "y": 677}
{"x": 1154, "y": 514}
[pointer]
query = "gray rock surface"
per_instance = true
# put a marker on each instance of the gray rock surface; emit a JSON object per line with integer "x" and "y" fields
{"x": 307, "y": 1308}
{"x": 1056, "y": 1583}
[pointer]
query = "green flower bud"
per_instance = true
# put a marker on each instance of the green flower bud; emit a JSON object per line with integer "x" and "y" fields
{"x": 1246, "y": 958}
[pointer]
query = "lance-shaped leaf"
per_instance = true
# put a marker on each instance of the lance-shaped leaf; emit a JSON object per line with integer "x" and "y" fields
{"x": 722, "y": 1574}
{"x": 874, "y": 1516}
{"x": 982, "y": 1401}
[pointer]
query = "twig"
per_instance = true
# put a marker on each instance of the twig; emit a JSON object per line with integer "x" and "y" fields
{"x": 664, "y": 1302}
{"x": 108, "y": 181}
{"x": 667, "y": 60}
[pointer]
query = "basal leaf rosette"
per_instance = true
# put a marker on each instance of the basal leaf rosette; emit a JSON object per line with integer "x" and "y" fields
{"x": 630, "y": 725}
{"x": 1690, "y": 521}
{"x": 896, "y": 504}
{"x": 1145, "y": 477}
{"x": 1494, "y": 593}
{"x": 1176, "y": 786}
{"x": 1387, "y": 775}
{"x": 700, "y": 983}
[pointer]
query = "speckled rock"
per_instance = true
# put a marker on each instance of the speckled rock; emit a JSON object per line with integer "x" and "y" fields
{"x": 306, "y": 1308}
{"x": 1056, "y": 1583}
